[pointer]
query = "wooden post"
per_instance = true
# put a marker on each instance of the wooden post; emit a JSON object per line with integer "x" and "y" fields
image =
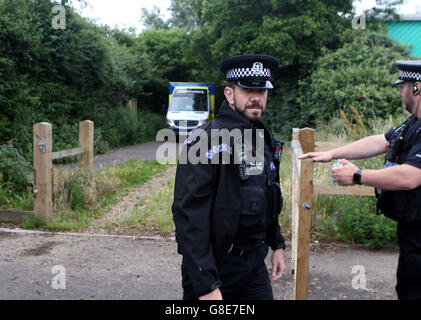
{"x": 86, "y": 139}
{"x": 132, "y": 104}
{"x": 43, "y": 142}
{"x": 294, "y": 204}
{"x": 306, "y": 138}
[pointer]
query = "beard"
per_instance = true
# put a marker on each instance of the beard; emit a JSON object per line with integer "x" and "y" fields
{"x": 254, "y": 117}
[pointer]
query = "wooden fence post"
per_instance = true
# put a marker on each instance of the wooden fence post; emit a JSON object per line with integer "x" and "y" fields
{"x": 306, "y": 137}
{"x": 132, "y": 104}
{"x": 43, "y": 204}
{"x": 295, "y": 191}
{"x": 86, "y": 139}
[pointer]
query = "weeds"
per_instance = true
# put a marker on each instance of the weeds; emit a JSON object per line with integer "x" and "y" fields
{"x": 79, "y": 196}
{"x": 152, "y": 215}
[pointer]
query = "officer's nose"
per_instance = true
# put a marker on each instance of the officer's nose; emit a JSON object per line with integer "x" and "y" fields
{"x": 256, "y": 96}
{"x": 400, "y": 90}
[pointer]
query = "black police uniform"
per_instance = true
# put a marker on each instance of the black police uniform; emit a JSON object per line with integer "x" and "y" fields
{"x": 225, "y": 220}
{"x": 404, "y": 147}
{"x": 405, "y": 207}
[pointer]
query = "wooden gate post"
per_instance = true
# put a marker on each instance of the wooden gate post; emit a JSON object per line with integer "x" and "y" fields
{"x": 86, "y": 139}
{"x": 43, "y": 204}
{"x": 306, "y": 137}
{"x": 295, "y": 192}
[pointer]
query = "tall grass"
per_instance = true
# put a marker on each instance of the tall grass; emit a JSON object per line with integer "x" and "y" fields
{"x": 79, "y": 196}
{"x": 152, "y": 215}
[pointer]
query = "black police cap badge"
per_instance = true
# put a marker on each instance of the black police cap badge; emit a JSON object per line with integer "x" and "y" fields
{"x": 252, "y": 71}
{"x": 409, "y": 70}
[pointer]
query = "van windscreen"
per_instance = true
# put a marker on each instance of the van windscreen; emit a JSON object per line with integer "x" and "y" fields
{"x": 189, "y": 100}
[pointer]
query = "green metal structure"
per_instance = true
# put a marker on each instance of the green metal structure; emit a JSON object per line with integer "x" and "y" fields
{"x": 407, "y": 32}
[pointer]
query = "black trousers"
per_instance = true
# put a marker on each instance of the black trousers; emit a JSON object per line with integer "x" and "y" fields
{"x": 408, "y": 274}
{"x": 243, "y": 277}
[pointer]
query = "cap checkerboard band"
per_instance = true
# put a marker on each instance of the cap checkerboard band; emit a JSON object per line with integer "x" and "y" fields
{"x": 247, "y": 72}
{"x": 409, "y": 75}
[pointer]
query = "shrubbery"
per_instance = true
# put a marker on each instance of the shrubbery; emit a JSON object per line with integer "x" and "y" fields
{"x": 84, "y": 72}
{"x": 14, "y": 169}
{"x": 358, "y": 75}
{"x": 353, "y": 220}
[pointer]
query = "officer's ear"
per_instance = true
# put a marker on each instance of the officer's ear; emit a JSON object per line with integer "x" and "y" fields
{"x": 416, "y": 88}
{"x": 229, "y": 95}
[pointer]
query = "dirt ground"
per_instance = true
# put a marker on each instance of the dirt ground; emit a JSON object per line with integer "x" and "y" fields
{"x": 125, "y": 268}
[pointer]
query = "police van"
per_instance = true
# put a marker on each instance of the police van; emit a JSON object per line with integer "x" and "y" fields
{"x": 190, "y": 106}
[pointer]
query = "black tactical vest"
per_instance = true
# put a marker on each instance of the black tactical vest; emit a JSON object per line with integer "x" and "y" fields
{"x": 401, "y": 205}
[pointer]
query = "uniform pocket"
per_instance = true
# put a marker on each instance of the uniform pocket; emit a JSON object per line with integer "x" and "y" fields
{"x": 252, "y": 200}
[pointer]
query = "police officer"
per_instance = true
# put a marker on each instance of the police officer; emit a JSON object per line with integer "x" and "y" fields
{"x": 398, "y": 185}
{"x": 226, "y": 213}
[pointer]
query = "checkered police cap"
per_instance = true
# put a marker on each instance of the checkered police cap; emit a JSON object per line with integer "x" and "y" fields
{"x": 408, "y": 71}
{"x": 255, "y": 71}
{"x": 250, "y": 71}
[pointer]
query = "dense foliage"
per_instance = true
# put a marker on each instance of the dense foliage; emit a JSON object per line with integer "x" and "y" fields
{"x": 85, "y": 71}
{"x": 64, "y": 76}
{"x": 357, "y": 75}
{"x": 89, "y": 72}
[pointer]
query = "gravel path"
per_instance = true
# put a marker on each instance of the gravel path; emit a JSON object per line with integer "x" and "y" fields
{"x": 108, "y": 267}
{"x": 144, "y": 151}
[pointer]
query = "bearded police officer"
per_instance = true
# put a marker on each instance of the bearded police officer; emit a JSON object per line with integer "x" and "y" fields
{"x": 226, "y": 211}
{"x": 398, "y": 185}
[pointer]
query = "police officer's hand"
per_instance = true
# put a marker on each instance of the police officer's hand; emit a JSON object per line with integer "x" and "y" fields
{"x": 344, "y": 175}
{"x": 318, "y": 156}
{"x": 214, "y": 295}
{"x": 278, "y": 265}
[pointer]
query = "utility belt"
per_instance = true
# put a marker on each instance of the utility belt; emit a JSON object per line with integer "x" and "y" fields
{"x": 400, "y": 205}
{"x": 390, "y": 204}
{"x": 241, "y": 252}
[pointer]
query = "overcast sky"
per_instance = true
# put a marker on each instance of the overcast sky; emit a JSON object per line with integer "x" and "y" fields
{"x": 123, "y": 13}
{"x": 126, "y": 13}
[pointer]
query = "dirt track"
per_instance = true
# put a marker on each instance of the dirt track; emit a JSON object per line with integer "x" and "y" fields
{"x": 132, "y": 268}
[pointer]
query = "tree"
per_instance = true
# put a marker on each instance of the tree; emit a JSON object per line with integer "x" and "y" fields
{"x": 153, "y": 19}
{"x": 357, "y": 75}
{"x": 182, "y": 15}
{"x": 166, "y": 51}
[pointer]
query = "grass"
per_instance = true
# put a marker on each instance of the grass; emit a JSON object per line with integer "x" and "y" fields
{"x": 151, "y": 216}
{"x": 79, "y": 197}
{"x": 12, "y": 201}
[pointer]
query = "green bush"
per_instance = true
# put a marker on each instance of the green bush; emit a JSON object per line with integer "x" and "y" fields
{"x": 14, "y": 169}
{"x": 149, "y": 124}
{"x": 357, "y": 75}
{"x": 353, "y": 220}
{"x": 121, "y": 127}
{"x": 100, "y": 145}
